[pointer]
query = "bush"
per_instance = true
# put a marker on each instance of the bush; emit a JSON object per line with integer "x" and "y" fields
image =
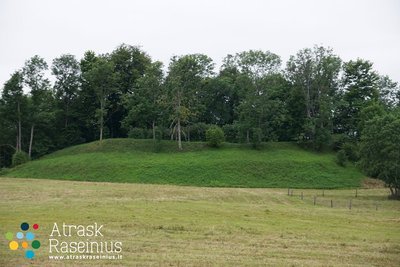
{"x": 338, "y": 140}
{"x": 341, "y": 158}
{"x": 215, "y": 136}
{"x": 19, "y": 158}
{"x": 351, "y": 151}
{"x": 137, "y": 133}
{"x": 232, "y": 132}
{"x": 198, "y": 131}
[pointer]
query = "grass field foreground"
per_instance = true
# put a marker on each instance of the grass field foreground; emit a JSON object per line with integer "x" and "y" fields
{"x": 163, "y": 225}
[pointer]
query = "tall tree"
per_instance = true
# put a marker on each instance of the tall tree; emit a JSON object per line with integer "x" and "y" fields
{"x": 67, "y": 73}
{"x": 186, "y": 75}
{"x": 41, "y": 97}
{"x": 101, "y": 78}
{"x": 360, "y": 89}
{"x": 380, "y": 150}
{"x": 145, "y": 105}
{"x": 254, "y": 68}
{"x": 14, "y": 104}
{"x": 130, "y": 63}
{"x": 66, "y": 70}
{"x": 87, "y": 101}
{"x": 315, "y": 73}
{"x": 389, "y": 91}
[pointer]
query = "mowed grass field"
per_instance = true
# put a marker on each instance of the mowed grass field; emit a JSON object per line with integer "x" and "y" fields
{"x": 167, "y": 225}
{"x": 134, "y": 161}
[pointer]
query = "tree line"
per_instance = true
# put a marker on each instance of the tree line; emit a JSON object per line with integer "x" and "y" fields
{"x": 315, "y": 99}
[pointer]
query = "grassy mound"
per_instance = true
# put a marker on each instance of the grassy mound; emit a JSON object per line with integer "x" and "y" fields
{"x": 134, "y": 161}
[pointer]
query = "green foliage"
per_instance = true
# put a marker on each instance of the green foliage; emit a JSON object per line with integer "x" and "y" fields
{"x": 360, "y": 84}
{"x": 380, "y": 150}
{"x": 338, "y": 140}
{"x": 255, "y": 137}
{"x": 251, "y": 98}
{"x": 19, "y": 158}
{"x": 279, "y": 165}
{"x": 232, "y": 132}
{"x": 341, "y": 158}
{"x": 197, "y": 131}
{"x": 352, "y": 151}
{"x": 215, "y": 136}
{"x": 137, "y": 133}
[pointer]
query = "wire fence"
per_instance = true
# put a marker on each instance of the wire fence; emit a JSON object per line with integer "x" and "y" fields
{"x": 324, "y": 198}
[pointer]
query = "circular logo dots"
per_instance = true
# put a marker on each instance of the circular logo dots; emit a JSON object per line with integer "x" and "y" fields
{"x": 29, "y": 254}
{"x": 20, "y": 235}
{"x": 30, "y": 236}
{"x": 24, "y": 226}
{"x": 36, "y": 226}
{"x": 36, "y": 244}
{"x": 13, "y": 245}
{"x": 9, "y": 236}
{"x": 24, "y": 244}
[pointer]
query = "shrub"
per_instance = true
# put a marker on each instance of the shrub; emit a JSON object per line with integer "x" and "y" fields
{"x": 137, "y": 133}
{"x": 341, "y": 158}
{"x": 215, "y": 136}
{"x": 351, "y": 151}
{"x": 232, "y": 132}
{"x": 338, "y": 140}
{"x": 198, "y": 131}
{"x": 19, "y": 157}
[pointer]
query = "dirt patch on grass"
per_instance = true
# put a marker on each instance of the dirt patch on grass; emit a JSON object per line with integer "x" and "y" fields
{"x": 372, "y": 183}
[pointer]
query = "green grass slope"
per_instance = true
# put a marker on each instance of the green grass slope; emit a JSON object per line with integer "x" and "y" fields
{"x": 134, "y": 161}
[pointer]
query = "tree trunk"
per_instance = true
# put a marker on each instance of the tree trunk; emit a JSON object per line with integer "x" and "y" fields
{"x": 31, "y": 140}
{"x": 101, "y": 119}
{"x": 19, "y": 129}
{"x": 248, "y": 136}
{"x": 395, "y": 193}
{"x": 179, "y": 134}
{"x": 154, "y": 131}
{"x": 66, "y": 115}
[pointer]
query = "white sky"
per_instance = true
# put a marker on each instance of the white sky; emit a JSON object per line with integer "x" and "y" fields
{"x": 365, "y": 29}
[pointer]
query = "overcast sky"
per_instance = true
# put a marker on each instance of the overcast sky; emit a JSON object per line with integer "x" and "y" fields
{"x": 365, "y": 29}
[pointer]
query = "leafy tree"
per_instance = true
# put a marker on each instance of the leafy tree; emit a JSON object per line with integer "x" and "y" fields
{"x": 184, "y": 83}
{"x": 360, "y": 85}
{"x": 315, "y": 73}
{"x": 14, "y": 103}
{"x": 389, "y": 92}
{"x": 101, "y": 78}
{"x": 146, "y": 105}
{"x": 87, "y": 102}
{"x": 41, "y": 98}
{"x": 130, "y": 63}
{"x": 380, "y": 150}
{"x": 66, "y": 70}
{"x": 257, "y": 70}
